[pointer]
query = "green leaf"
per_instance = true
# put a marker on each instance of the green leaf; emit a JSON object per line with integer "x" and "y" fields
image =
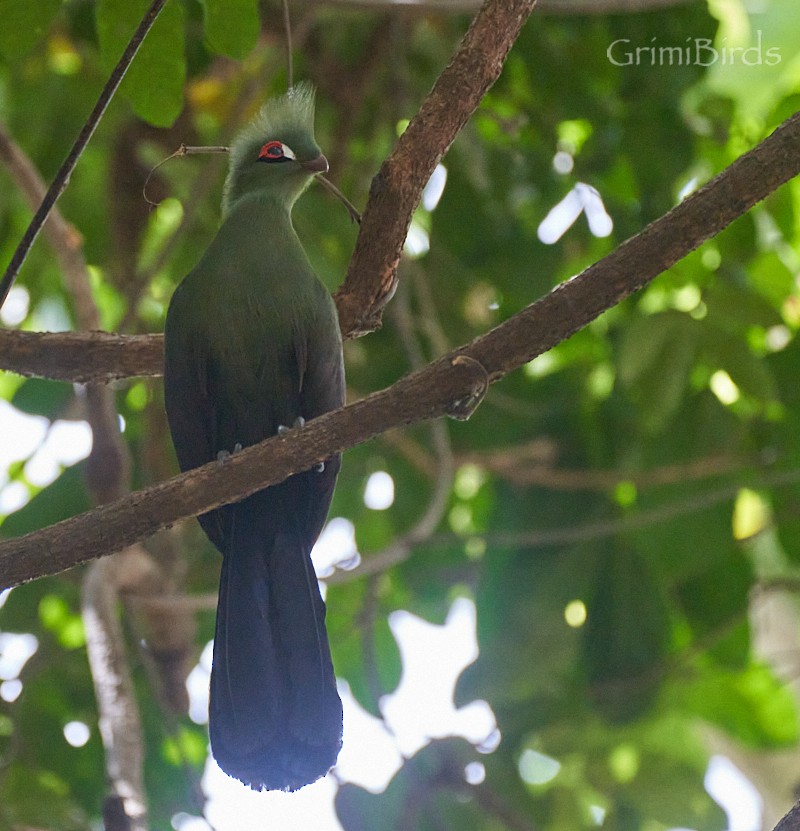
{"x": 187, "y": 744}
{"x": 626, "y": 635}
{"x": 753, "y": 706}
{"x": 67, "y": 625}
{"x": 655, "y": 360}
{"x": 154, "y": 81}
{"x": 736, "y": 308}
{"x": 756, "y": 77}
{"x": 748, "y": 372}
{"x": 37, "y": 396}
{"x": 716, "y": 604}
{"x": 63, "y": 498}
{"x": 24, "y": 24}
{"x": 32, "y": 795}
{"x": 770, "y": 277}
{"x": 404, "y": 804}
{"x": 231, "y": 26}
{"x": 366, "y": 654}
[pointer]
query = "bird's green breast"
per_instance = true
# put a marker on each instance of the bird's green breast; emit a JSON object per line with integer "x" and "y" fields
{"x": 247, "y": 312}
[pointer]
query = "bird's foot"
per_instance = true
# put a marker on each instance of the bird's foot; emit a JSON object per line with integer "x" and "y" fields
{"x": 222, "y": 455}
{"x": 300, "y": 422}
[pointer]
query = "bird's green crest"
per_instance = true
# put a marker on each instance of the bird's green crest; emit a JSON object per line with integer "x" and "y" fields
{"x": 289, "y": 119}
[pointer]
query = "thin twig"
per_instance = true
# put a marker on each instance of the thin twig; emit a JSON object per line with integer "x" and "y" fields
{"x": 287, "y": 29}
{"x": 351, "y": 208}
{"x": 554, "y": 7}
{"x": 574, "y": 534}
{"x": 62, "y": 237}
{"x": 445, "y": 466}
{"x": 532, "y": 464}
{"x": 183, "y": 150}
{"x": 440, "y": 436}
{"x": 199, "y": 191}
{"x": 186, "y": 150}
{"x": 401, "y": 547}
{"x": 65, "y": 171}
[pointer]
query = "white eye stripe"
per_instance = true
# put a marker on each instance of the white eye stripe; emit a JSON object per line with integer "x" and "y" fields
{"x": 276, "y": 151}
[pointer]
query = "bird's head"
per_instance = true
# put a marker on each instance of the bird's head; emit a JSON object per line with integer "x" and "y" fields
{"x": 276, "y": 155}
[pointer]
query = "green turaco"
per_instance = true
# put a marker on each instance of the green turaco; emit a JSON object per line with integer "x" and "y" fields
{"x": 252, "y": 345}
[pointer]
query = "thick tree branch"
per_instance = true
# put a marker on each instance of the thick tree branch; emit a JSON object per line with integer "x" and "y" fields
{"x": 418, "y": 397}
{"x": 65, "y": 171}
{"x": 395, "y": 192}
{"x": 791, "y": 822}
{"x": 81, "y": 357}
{"x": 428, "y": 393}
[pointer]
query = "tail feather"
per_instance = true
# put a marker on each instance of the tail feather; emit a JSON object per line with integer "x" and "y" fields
{"x": 275, "y": 717}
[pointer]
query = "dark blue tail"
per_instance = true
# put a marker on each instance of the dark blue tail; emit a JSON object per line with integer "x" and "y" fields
{"x": 275, "y": 717}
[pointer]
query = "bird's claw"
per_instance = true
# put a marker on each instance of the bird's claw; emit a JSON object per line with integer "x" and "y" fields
{"x": 298, "y": 422}
{"x": 222, "y": 455}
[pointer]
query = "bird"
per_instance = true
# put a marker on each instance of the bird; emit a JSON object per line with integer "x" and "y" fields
{"x": 252, "y": 348}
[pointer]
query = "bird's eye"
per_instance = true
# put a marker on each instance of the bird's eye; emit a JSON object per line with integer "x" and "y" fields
{"x": 275, "y": 151}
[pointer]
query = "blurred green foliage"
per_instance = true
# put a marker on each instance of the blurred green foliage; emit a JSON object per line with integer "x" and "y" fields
{"x": 607, "y": 473}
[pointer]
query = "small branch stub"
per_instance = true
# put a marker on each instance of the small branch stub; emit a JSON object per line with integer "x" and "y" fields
{"x": 462, "y": 408}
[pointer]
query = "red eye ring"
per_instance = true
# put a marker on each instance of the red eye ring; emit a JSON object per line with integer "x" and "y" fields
{"x": 271, "y": 151}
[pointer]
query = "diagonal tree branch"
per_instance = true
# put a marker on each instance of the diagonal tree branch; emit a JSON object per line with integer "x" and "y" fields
{"x": 65, "y": 171}
{"x": 791, "y": 822}
{"x": 428, "y": 393}
{"x": 395, "y": 192}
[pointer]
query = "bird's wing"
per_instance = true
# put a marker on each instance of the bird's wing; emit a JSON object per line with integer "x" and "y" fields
{"x": 189, "y": 405}
{"x": 322, "y": 390}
